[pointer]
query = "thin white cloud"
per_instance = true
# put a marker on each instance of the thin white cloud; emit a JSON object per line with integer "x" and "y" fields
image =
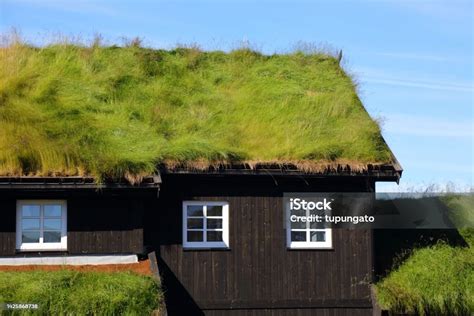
{"x": 416, "y": 56}
{"x": 422, "y": 84}
{"x": 402, "y": 124}
{"x": 446, "y": 166}
{"x": 378, "y": 76}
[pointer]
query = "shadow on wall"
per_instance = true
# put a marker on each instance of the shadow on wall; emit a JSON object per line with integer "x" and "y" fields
{"x": 177, "y": 298}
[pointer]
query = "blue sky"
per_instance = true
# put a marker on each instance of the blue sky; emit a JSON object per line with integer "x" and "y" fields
{"x": 413, "y": 60}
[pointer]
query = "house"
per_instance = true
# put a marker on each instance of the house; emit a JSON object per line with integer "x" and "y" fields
{"x": 108, "y": 153}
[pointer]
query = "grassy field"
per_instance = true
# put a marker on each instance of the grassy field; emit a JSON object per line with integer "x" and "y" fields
{"x": 74, "y": 109}
{"x": 439, "y": 279}
{"x": 81, "y": 293}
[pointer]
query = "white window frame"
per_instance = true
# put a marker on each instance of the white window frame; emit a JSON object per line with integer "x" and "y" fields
{"x": 308, "y": 244}
{"x": 41, "y": 246}
{"x": 225, "y": 225}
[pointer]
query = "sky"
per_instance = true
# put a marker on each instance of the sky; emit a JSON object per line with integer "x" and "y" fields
{"x": 412, "y": 59}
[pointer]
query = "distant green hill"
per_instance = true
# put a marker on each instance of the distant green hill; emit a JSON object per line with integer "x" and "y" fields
{"x": 119, "y": 111}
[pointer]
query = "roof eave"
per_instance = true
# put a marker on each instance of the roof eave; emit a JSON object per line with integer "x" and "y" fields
{"x": 75, "y": 182}
{"x": 387, "y": 173}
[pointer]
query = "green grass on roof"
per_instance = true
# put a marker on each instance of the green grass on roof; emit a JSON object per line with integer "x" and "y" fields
{"x": 113, "y": 111}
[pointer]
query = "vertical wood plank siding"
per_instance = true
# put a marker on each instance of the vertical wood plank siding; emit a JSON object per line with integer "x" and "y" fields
{"x": 258, "y": 275}
{"x": 7, "y": 227}
{"x": 105, "y": 224}
{"x": 293, "y": 312}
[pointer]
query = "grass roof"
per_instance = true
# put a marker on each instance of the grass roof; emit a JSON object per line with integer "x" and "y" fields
{"x": 69, "y": 109}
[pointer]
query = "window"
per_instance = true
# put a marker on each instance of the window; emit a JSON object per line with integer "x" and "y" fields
{"x": 306, "y": 234}
{"x": 41, "y": 225}
{"x": 205, "y": 224}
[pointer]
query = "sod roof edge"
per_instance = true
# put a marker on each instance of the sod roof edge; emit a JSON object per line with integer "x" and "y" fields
{"x": 381, "y": 172}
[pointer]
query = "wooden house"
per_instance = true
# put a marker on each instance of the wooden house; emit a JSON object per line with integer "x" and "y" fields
{"x": 216, "y": 224}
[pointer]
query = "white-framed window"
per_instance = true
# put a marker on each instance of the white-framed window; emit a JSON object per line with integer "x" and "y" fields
{"x": 205, "y": 224}
{"x": 41, "y": 225}
{"x": 306, "y": 234}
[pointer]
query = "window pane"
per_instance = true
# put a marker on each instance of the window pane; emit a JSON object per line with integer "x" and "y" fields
{"x": 194, "y": 223}
{"x": 52, "y": 224}
{"x": 30, "y": 223}
{"x": 215, "y": 210}
{"x": 30, "y": 211}
{"x": 195, "y": 236}
{"x": 214, "y": 223}
{"x": 52, "y": 210}
{"x": 318, "y": 236}
{"x": 30, "y": 236}
{"x": 195, "y": 210}
{"x": 214, "y": 236}
{"x": 298, "y": 225}
{"x": 298, "y": 236}
{"x": 52, "y": 236}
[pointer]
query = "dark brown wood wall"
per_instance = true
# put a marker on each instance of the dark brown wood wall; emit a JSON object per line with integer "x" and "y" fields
{"x": 7, "y": 227}
{"x": 105, "y": 226}
{"x": 258, "y": 273}
{"x": 97, "y": 223}
{"x": 257, "y": 276}
{"x": 293, "y": 312}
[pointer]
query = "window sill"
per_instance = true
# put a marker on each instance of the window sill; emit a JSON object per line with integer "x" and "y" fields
{"x": 41, "y": 250}
{"x": 311, "y": 248}
{"x": 205, "y": 249}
